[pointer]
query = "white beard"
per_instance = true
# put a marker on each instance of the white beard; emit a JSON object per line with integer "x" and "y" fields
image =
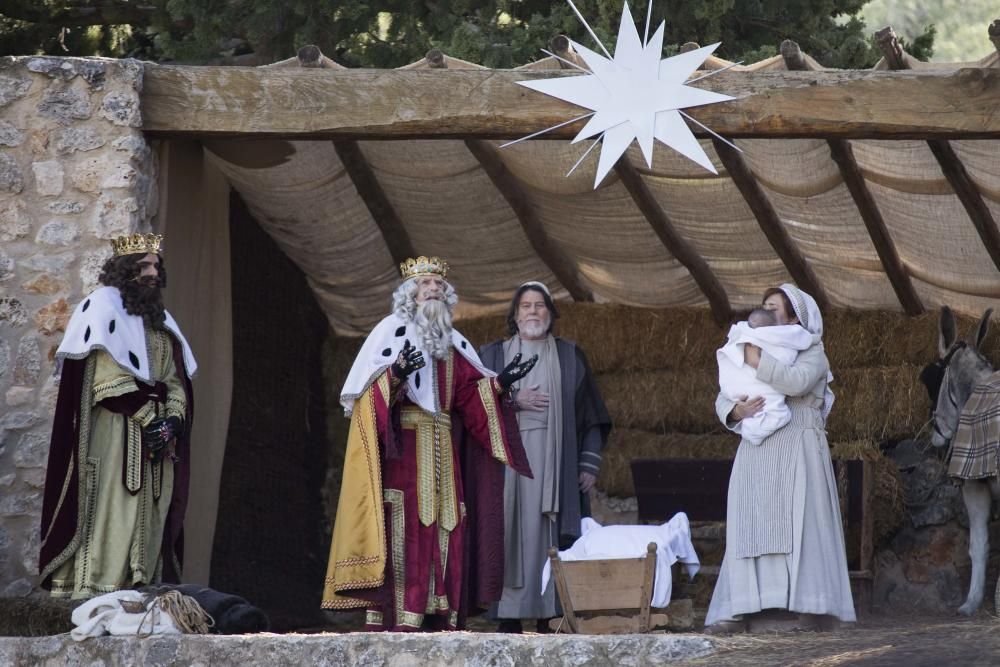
{"x": 433, "y": 321}
{"x": 533, "y": 329}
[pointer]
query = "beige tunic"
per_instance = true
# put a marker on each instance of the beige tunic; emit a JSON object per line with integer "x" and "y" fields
{"x": 127, "y": 497}
{"x": 784, "y": 536}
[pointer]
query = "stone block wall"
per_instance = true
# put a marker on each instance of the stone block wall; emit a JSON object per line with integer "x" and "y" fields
{"x": 75, "y": 171}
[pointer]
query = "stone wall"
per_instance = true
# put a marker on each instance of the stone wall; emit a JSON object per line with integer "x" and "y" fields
{"x": 75, "y": 171}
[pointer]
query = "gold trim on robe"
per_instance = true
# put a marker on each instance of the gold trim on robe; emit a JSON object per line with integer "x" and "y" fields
{"x": 358, "y": 553}
{"x": 437, "y": 498}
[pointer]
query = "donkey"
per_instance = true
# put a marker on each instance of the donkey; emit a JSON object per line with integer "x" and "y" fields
{"x": 960, "y": 368}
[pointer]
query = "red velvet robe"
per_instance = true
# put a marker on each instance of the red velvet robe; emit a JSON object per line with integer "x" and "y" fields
{"x": 432, "y": 571}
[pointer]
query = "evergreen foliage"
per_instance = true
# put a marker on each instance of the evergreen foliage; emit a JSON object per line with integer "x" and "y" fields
{"x": 390, "y": 33}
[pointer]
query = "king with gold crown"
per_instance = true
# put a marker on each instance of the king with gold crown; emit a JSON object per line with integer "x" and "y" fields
{"x": 418, "y": 536}
{"x": 119, "y": 464}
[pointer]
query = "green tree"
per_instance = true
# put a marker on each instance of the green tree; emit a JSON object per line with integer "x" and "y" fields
{"x": 390, "y": 33}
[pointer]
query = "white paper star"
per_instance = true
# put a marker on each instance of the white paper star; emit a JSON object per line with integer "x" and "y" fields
{"x": 635, "y": 95}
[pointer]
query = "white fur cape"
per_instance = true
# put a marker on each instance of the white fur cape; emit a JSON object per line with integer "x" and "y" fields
{"x": 100, "y": 322}
{"x": 380, "y": 350}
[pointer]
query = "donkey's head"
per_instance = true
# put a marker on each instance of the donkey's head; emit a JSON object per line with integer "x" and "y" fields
{"x": 960, "y": 367}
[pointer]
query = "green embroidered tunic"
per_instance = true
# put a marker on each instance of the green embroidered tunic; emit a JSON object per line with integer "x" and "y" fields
{"x": 126, "y": 496}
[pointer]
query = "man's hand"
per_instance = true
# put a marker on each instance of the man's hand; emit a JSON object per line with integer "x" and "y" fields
{"x": 587, "y": 481}
{"x": 751, "y": 355}
{"x": 746, "y": 408}
{"x": 159, "y": 434}
{"x": 532, "y": 399}
{"x": 516, "y": 370}
{"x": 409, "y": 360}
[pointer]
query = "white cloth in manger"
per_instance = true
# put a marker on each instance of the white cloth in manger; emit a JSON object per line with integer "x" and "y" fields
{"x": 673, "y": 544}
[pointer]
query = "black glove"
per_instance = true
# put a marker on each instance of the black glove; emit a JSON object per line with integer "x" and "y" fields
{"x": 410, "y": 359}
{"x": 159, "y": 434}
{"x": 516, "y": 370}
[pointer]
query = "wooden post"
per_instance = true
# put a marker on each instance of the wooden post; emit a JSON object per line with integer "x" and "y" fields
{"x": 770, "y": 223}
{"x": 561, "y": 47}
{"x": 675, "y": 244}
{"x": 560, "y": 263}
{"x": 436, "y": 59}
{"x": 646, "y": 593}
{"x": 311, "y": 56}
{"x": 563, "y": 589}
{"x": 792, "y": 55}
{"x": 892, "y": 50}
{"x": 867, "y": 552}
{"x": 994, "y": 33}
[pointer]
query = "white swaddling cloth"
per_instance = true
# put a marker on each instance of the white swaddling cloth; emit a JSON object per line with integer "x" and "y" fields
{"x": 673, "y": 544}
{"x": 736, "y": 378}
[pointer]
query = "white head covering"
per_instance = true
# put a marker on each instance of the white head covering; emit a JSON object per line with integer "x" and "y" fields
{"x": 538, "y": 285}
{"x": 807, "y": 311}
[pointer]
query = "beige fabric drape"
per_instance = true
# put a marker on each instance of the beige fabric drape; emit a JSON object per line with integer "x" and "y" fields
{"x": 194, "y": 216}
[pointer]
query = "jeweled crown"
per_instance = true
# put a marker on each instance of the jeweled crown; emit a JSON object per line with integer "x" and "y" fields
{"x": 137, "y": 243}
{"x": 423, "y": 266}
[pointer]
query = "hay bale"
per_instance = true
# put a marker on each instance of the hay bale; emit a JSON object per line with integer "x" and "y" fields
{"x": 878, "y": 404}
{"x": 625, "y": 445}
{"x": 621, "y": 338}
{"x": 618, "y": 337}
{"x": 662, "y": 401}
{"x": 887, "y": 499}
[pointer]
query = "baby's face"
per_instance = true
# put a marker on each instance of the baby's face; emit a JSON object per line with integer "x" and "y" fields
{"x": 757, "y": 320}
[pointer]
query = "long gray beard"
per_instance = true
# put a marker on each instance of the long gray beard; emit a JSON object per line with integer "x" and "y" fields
{"x": 433, "y": 320}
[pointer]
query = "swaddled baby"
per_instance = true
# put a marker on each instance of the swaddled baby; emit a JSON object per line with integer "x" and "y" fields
{"x": 737, "y": 379}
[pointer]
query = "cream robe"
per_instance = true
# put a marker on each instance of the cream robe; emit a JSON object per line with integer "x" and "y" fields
{"x": 784, "y": 536}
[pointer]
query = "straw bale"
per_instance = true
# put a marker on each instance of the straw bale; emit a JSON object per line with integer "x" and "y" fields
{"x": 662, "y": 401}
{"x": 887, "y": 499}
{"x": 881, "y": 403}
{"x": 620, "y": 338}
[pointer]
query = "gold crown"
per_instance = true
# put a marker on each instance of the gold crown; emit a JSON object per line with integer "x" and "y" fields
{"x": 136, "y": 244}
{"x": 423, "y": 266}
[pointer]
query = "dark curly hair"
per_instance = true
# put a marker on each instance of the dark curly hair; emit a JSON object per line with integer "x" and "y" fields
{"x": 138, "y": 299}
{"x": 516, "y": 301}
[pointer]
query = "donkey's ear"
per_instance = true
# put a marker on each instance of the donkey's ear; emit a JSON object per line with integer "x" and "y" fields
{"x": 984, "y": 326}
{"x": 946, "y": 331}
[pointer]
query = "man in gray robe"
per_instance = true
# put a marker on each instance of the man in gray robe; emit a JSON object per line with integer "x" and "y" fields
{"x": 564, "y": 426}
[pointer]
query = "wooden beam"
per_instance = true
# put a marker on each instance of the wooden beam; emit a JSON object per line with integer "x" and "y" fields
{"x": 397, "y": 239}
{"x": 953, "y": 169}
{"x": 561, "y": 265}
{"x": 770, "y": 223}
{"x": 675, "y": 244}
{"x": 967, "y": 193}
{"x": 843, "y": 154}
{"x": 792, "y": 55}
{"x": 298, "y": 103}
{"x": 561, "y": 46}
{"x": 892, "y": 50}
{"x": 895, "y": 270}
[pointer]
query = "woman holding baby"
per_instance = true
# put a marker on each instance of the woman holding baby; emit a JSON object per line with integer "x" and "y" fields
{"x": 784, "y": 537}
